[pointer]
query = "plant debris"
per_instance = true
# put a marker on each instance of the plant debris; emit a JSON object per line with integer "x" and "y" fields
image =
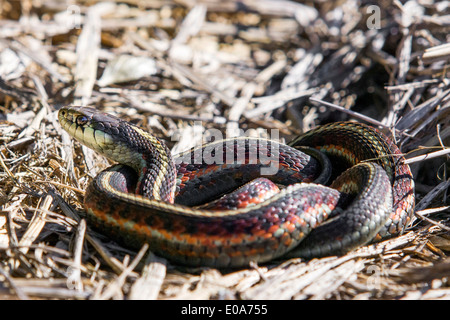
{"x": 177, "y": 68}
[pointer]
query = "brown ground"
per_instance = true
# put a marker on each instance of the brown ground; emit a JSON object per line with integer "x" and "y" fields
{"x": 253, "y": 65}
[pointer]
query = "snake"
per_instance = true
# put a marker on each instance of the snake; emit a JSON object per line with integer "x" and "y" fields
{"x": 331, "y": 190}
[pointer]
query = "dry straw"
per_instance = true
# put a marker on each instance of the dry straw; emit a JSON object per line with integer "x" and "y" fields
{"x": 231, "y": 65}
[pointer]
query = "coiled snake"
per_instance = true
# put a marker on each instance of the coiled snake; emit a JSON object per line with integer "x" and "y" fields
{"x": 154, "y": 197}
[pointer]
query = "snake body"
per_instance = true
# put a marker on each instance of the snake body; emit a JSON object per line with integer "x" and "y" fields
{"x": 152, "y": 196}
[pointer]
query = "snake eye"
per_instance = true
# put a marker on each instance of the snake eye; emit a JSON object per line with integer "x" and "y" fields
{"x": 82, "y": 120}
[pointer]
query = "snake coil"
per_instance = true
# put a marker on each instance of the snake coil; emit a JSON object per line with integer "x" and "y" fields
{"x": 152, "y": 196}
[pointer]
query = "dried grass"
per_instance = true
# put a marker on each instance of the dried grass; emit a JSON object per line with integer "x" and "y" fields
{"x": 230, "y": 65}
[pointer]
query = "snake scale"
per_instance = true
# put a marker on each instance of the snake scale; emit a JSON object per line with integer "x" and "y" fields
{"x": 156, "y": 198}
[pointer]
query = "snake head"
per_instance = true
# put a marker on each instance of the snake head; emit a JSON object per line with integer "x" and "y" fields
{"x": 90, "y": 127}
{"x": 118, "y": 140}
{"x": 110, "y": 136}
